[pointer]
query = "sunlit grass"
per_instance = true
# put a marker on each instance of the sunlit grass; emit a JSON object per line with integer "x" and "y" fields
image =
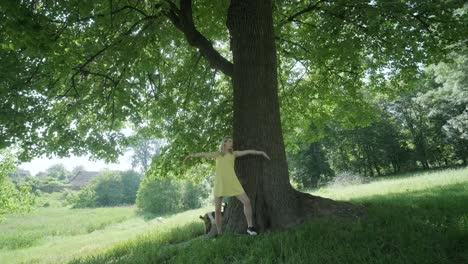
{"x": 20, "y": 231}
{"x": 56, "y": 235}
{"x": 397, "y": 185}
{"x": 55, "y": 199}
{"x": 422, "y": 218}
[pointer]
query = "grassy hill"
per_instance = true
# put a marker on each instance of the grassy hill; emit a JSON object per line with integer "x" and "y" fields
{"x": 59, "y": 234}
{"x": 419, "y": 218}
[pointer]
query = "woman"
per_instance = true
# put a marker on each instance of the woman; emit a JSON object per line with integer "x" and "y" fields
{"x": 226, "y": 181}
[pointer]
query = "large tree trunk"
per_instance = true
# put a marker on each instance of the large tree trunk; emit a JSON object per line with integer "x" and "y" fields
{"x": 257, "y": 126}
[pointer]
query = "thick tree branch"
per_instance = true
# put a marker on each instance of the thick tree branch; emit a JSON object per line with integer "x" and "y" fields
{"x": 294, "y": 43}
{"x": 427, "y": 27}
{"x": 152, "y": 85}
{"x": 79, "y": 19}
{"x": 103, "y": 75}
{"x": 132, "y": 8}
{"x": 303, "y": 11}
{"x": 183, "y": 20}
{"x": 81, "y": 69}
{"x": 327, "y": 67}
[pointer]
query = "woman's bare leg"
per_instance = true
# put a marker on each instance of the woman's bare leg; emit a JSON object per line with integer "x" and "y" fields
{"x": 247, "y": 207}
{"x": 218, "y": 216}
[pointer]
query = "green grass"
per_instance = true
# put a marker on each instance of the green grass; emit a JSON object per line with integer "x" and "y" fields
{"x": 56, "y": 235}
{"x": 54, "y": 199}
{"x": 22, "y": 231}
{"x": 420, "y": 219}
{"x": 397, "y": 185}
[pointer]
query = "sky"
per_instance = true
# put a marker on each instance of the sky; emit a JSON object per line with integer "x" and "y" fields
{"x": 41, "y": 164}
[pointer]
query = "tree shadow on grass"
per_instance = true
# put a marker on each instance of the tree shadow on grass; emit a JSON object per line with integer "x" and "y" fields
{"x": 429, "y": 226}
{"x": 431, "y": 222}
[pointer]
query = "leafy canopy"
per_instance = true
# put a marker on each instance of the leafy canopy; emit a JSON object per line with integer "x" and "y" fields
{"x": 74, "y": 73}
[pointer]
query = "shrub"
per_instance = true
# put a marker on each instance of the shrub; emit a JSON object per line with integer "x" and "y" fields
{"x": 110, "y": 188}
{"x": 159, "y": 196}
{"x": 85, "y": 198}
{"x": 131, "y": 182}
{"x": 12, "y": 199}
{"x": 163, "y": 196}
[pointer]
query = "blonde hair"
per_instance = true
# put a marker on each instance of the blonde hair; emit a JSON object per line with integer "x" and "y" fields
{"x": 221, "y": 146}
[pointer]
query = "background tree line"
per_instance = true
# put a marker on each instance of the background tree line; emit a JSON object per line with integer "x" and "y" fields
{"x": 424, "y": 127}
{"x": 107, "y": 188}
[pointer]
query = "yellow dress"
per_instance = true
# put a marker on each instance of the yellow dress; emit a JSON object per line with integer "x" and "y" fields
{"x": 226, "y": 181}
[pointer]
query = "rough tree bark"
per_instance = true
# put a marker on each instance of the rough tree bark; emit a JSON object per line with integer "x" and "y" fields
{"x": 276, "y": 204}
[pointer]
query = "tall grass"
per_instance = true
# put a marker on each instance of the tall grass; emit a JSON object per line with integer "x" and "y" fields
{"x": 396, "y": 184}
{"x": 56, "y": 235}
{"x": 420, "y": 219}
{"x": 21, "y": 231}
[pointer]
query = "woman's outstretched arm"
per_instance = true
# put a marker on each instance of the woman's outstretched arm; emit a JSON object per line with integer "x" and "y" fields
{"x": 247, "y": 152}
{"x": 202, "y": 155}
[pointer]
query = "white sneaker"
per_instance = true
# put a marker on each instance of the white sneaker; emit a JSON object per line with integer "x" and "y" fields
{"x": 251, "y": 231}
